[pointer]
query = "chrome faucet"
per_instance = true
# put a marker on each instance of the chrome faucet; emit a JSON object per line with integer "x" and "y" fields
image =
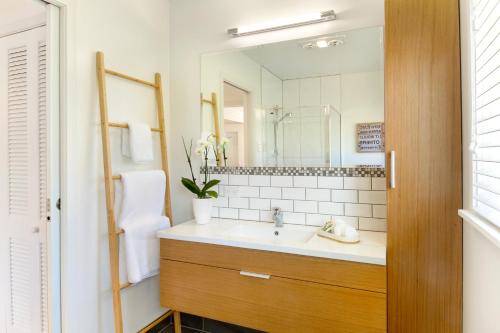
{"x": 277, "y": 217}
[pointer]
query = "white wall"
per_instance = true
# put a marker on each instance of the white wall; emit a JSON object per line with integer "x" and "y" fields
{"x": 362, "y": 101}
{"x": 272, "y": 89}
{"x": 135, "y": 40}
{"x": 240, "y": 70}
{"x": 199, "y": 26}
{"x": 481, "y": 282}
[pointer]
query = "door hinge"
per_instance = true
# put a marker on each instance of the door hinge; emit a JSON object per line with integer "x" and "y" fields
{"x": 58, "y": 204}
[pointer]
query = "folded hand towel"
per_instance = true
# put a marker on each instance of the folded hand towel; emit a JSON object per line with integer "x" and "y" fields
{"x": 125, "y": 143}
{"x": 140, "y": 218}
{"x": 137, "y": 143}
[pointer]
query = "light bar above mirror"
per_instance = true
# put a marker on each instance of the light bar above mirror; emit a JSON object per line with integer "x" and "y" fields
{"x": 286, "y": 23}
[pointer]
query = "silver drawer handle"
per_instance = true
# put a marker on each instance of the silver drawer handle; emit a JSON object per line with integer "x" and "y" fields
{"x": 393, "y": 169}
{"x": 256, "y": 275}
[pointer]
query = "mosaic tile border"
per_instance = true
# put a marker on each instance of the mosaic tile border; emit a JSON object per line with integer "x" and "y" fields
{"x": 299, "y": 171}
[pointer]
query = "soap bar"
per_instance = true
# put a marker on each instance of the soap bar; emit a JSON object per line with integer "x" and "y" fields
{"x": 351, "y": 233}
{"x": 339, "y": 230}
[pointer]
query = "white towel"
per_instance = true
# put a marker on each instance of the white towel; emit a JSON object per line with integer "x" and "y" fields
{"x": 137, "y": 143}
{"x": 140, "y": 218}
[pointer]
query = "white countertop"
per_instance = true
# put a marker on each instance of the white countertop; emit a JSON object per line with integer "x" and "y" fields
{"x": 371, "y": 249}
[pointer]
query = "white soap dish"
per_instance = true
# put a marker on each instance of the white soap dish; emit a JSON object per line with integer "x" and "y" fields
{"x": 330, "y": 230}
{"x": 341, "y": 239}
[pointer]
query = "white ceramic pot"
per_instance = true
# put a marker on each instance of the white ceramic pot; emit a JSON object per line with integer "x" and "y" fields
{"x": 202, "y": 209}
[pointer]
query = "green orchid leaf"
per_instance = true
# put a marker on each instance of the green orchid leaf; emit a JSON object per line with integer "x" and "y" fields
{"x": 191, "y": 186}
{"x": 210, "y": 184}
{"x": 213, "y": 194}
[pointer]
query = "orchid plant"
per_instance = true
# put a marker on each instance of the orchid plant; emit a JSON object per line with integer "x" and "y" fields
{"x": 223, "y": 145}
{"x": 202, "y": 192}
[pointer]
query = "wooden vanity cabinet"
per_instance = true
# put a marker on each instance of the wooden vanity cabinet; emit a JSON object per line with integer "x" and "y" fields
{"x": 271, "y": 291}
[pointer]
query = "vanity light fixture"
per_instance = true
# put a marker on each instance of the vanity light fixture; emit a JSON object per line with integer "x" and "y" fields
{"x": 287, "y": 23}
{"x": 323, "y": 42}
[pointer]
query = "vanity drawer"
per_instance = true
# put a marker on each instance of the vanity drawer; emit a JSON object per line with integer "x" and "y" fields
{"x": 328, "y": 271}
{"x": 273, "y": 304}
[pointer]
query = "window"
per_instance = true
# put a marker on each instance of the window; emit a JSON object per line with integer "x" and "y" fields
{"x": 482, "y": 108}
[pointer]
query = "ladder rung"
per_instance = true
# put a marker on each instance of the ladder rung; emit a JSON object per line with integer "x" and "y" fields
{"x": 117, "y": 177}
{"x": 122, "y": 125}
{"x": 125, "y": 285}
{"x": 206, "y": 101}
{"x": 128, "y": 77}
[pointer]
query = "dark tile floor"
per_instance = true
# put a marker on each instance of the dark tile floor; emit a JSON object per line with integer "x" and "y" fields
{"x": 196, "y": 324}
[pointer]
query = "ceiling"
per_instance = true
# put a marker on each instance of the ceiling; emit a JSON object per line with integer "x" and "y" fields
{"x": 20, "y": 10}
{"x": 362, "y": 51}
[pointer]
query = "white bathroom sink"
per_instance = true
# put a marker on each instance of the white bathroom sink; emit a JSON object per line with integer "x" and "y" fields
{"x": 269, "y": 233}
{"x": 291, "y": 238}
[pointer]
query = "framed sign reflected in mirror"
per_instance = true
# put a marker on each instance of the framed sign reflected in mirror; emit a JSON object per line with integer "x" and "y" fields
{"x": 299, "y": 103}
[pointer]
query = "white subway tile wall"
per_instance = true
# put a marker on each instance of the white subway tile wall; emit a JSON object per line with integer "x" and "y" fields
{"x": 317, "y": 219}
{"x": 294, "y": 193}
{"x": 345, "y": 196}
{"x": 228, "y": 213}
{"x": 372, "y": 197}
{"x": 305, "y": 181}
{"x": 284, "y": 205}
{"x": 307, "y": 200}
{"x": 249, "y": 214}
{"x": 357, "y": 183}
{"x": 358, "y": 210}
{"x": 238, "y": 179}
{"x": 372, "y": 224}
{"x": 294, "y": 218}
{"x": 260, "y": 204}
{"x": 238, "y": 202}
{"x": 259, "y": 180}
{"x": 305, "y": 206}
{"x": 282, "y": 181}
{"x": 331, "y": 182}
{"x": 249, "y": 191}
{"x": 379, "y": 184}
{"x": 319, "y": 194}
{"x": 270, "y": 192}
{"x": 224, "y": 179}
{"x": 221, "y": 202}
{"x": 332, "y": 208}
{"x": 380, "y": 211}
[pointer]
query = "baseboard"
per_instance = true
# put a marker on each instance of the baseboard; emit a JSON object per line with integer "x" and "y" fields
{"x": 156, "y": 322}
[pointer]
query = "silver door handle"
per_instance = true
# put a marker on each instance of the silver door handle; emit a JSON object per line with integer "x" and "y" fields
{"x": 393, "y": 169}
{"x": 256, "y": 275}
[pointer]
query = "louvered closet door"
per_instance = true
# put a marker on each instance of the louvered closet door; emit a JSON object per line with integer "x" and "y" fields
{"x": 23, "y": 182}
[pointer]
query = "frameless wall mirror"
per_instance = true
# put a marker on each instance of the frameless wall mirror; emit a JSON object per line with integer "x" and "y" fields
{"x": 316, "y": 102}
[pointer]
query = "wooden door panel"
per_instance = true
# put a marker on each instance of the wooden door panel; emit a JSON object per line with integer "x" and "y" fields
{"x": 423, "y": 127}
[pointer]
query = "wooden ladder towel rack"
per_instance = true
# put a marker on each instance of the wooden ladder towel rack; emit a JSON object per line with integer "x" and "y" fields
{"x": 215, "y": 113}
{"x": 113, "y": 232}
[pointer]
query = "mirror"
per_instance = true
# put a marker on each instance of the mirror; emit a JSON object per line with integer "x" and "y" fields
{"x": 315, "y": 102}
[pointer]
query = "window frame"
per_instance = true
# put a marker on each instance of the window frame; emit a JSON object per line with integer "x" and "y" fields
{"x": 488, "y": 228}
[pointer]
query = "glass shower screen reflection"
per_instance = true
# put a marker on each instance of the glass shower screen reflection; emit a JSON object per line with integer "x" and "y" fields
{"x": 303, "y": 136}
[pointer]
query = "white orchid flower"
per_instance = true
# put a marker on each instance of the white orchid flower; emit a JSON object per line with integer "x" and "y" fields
{"x": 202, "y": 143}
{"x": 211, "y": 138}
{"x": 199, "y": 150}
